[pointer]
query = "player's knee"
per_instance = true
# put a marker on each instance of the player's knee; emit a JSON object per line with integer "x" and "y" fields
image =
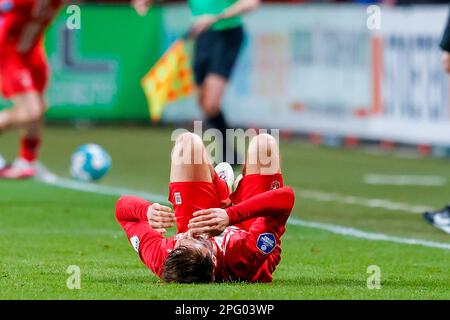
{"x": 35, "y": 115}
{"x": 263, "y": 144}
{"x": 189, "y": 139}
{"x": 188, "y": 146}
{"x": 29, "y": 108}
{"x": 263, "y": 155}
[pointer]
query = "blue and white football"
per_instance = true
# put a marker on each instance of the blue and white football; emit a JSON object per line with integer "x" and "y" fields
{"x": 90, "y": 162}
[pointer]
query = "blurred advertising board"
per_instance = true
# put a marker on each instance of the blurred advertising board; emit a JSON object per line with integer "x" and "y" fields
{"x": 307, "y": 68}
{"x": 96, "y": 70}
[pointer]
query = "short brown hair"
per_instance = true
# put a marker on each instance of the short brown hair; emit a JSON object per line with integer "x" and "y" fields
{"x": 188, "y": 265}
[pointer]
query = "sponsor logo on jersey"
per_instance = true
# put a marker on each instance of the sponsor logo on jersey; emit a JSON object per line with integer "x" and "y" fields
{"x": 134, "y": 240}
{"x": 266, "y": 242}
{"x": 275, "y": 185}
{"x": 177, "y": 197}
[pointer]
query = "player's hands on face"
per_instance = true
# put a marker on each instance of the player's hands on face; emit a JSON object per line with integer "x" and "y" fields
{"x": 202, "y": 24}
{"x": 160, "y": 217}
{"x": 141, "y": 6}
{"x": 211, "y": 222}
{"x": 446, "y": 61}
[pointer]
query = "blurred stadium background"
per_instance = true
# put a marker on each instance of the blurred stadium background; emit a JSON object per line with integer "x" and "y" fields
{"x": 310, "y": 68}
{"x": 316, "y": 69}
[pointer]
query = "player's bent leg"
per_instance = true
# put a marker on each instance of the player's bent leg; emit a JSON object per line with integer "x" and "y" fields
{"x": 25, "y": 164}
{"x": 261, "y": 172}
{"x": 190, "y": 161}
{"x": 27, "y": 114}
{"x": 263, "y": 156}
{"x": 193, "y": 182}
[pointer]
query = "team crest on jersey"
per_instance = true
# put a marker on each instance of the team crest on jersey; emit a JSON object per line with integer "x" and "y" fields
{"x": 134, "y": 240}
{"x": 275, "y": 185}
{"x": 266, "y": 242}
{"x": 6, "y": 6}
{"x": 177, "y": 197}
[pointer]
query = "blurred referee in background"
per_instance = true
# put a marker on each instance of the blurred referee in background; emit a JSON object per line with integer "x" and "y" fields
{"x": 218, "y": 34}
{"x": 441, "y": 219}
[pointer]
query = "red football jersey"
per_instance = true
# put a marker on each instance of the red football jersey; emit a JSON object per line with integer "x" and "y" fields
{"x": 23, "y": 22}
{"x": 252, "y": 255}
{"x": 241, "y": 255}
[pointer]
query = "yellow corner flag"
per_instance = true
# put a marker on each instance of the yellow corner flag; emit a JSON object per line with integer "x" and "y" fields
{"x": 169, "y": 79}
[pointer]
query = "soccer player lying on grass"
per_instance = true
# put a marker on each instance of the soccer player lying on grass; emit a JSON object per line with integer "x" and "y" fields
{"x": 221, "y": 236}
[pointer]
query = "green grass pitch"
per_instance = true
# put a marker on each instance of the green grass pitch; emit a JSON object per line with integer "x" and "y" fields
{"x": 44, "y": 229}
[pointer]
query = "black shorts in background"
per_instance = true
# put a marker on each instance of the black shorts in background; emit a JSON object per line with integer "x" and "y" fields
{"x": 216, "y": 52}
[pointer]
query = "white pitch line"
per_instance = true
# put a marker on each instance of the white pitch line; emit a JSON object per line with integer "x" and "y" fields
{"x": 361, "y": 201}
{"x": 54, "y": 180}
{"x": 372, "y": 236}
{"x": 404, "y": 180}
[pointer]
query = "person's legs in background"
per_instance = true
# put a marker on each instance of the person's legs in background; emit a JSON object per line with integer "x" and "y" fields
{"x": 27, "y": 115}
{"x": 210, "y": 99}
{"x": 24, "y": 74}
{"x": 24, "y": 81}
{"x": 216, "y": 53}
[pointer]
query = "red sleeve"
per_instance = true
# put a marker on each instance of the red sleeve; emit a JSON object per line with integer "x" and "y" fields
{"x": 131, "y": 209}
{"x": 152, "y": 247}
{"x": 271, "y": 203}
{"x": 222, "y": 191}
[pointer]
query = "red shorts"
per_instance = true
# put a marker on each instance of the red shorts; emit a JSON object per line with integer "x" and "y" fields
{"x": 21, "y": 73}
{"x": 191, "y": 196}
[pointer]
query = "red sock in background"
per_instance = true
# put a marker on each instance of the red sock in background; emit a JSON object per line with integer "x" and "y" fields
{"x": 29, "y": 148}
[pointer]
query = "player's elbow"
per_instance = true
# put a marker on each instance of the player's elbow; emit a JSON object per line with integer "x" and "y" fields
{"x": 288, "y": 199}
{"x": 35, "y": 116}
{"x": 120, "y": 204}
